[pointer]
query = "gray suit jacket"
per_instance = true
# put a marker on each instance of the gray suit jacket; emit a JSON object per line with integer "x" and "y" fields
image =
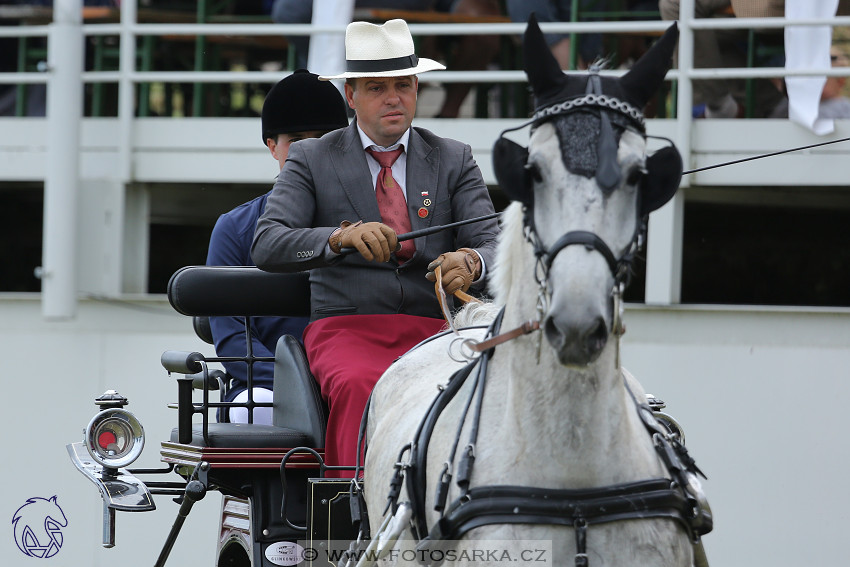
{"x": 326, "y": 181}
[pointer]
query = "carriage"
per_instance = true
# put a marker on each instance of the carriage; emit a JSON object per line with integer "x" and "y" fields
{"x": 250, "y": 465}
{"x": 617, "y": 486}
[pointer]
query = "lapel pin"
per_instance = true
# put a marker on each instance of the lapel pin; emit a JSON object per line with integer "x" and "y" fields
{"x": 423, "y": 212}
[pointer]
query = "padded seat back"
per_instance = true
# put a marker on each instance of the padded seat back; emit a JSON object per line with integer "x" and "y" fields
{"x": 297, "y": 401}
{"x": 201, "y": 325}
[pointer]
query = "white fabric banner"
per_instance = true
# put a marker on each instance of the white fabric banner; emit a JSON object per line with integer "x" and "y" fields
{"x": 327, "y": 50}
{"x": 807, "y": 47}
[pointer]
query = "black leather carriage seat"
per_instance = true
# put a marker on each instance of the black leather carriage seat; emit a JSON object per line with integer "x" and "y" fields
{"x": 299, "y": 415}
{"x": 246, "y": 436}
{"x": 298, "y": 404}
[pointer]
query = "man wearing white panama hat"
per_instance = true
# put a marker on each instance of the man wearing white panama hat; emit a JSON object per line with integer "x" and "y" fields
{"x": 340, "y": 191}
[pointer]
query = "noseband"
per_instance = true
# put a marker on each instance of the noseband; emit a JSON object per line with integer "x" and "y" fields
{"x": 620, "y": 267}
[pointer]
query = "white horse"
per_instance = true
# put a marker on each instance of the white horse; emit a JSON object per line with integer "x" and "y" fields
{"x": 558, "y": 429}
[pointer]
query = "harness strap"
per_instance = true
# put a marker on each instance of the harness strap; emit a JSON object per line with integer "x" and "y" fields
{"x": 580, "y": 527}
{"x": 415, "y": 477}
{"x": 415, "y": 480}
{"x": 486, "y": 505}
{"x": 659, "y": 498}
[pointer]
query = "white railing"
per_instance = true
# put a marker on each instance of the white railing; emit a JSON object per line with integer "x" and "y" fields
{"x": 67, "y": 31}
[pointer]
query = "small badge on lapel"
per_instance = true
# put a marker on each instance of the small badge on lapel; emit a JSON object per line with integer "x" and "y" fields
{"x": 423, "y": 211}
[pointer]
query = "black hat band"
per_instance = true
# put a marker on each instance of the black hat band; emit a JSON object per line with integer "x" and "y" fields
{"x": 380, "y": 65}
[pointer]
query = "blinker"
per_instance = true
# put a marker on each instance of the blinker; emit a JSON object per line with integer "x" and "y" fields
{"x": 663, "y": 175}
{"x": 509, "y": 165}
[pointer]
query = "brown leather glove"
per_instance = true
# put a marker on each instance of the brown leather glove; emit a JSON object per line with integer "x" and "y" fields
{"x": 374, "y": 240}
{"x": 459, "y": 269}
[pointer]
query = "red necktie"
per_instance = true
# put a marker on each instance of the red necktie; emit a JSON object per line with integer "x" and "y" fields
{"x": 391, "y": 200}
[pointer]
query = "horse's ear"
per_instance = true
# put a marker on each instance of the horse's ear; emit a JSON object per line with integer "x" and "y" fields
{"x": 663, "y": 174}
{"x": 648, "y": 72}
{"x": 509, "y": 160}
{"x": 542, "y": 69}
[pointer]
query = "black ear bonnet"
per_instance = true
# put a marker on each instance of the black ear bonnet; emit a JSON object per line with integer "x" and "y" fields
{"x": 599, "y": 108}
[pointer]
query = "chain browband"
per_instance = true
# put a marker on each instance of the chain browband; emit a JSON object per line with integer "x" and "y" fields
{"x": 596, "y": 100}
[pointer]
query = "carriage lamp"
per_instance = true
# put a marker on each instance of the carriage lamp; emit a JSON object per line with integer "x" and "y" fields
{"x": 114, "y": 437}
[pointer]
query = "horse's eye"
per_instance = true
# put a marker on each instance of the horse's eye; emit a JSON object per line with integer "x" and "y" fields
{"x": 533, "y": 172}
{"x": 635, "y": 176}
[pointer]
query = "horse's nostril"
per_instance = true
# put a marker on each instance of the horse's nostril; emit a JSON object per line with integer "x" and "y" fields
{"x": 577, "y": 343}
{"x": 553, "y": 335}
{"x": 597, "y": 336}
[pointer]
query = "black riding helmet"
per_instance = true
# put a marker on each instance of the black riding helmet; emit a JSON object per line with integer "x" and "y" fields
{"x": 302, "y": 103}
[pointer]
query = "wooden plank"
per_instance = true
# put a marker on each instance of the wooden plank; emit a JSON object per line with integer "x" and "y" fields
{"x": 426, "y": 16}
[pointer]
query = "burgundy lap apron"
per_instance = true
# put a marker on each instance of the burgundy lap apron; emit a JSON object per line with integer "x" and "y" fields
{"x": 347, "y": 355}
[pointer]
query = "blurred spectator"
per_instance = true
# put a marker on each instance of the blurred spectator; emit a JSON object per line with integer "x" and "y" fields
{"x": 833, "y": 104}
{"x": 36, "y": 94}
{"x": 773, "y": 8}
{"x": 806, "y": 49}
{"x": 631, "y": 47}
{"x": 589, "y": 45}
{"x": 466, "y": 52}
{"x": 716, "y": 49}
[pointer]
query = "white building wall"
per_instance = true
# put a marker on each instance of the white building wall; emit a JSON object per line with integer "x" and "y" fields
{"x": 762, "y": 395}
{"x": 51, "y": 374}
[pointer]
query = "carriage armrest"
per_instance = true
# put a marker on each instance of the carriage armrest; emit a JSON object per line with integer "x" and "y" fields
{"x": 297, "y": 402}
{"x": 238, "y": 291}
{"x": 182, "y": 362}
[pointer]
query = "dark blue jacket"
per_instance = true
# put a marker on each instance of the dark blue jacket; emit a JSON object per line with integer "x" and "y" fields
{"x": 230, "y": 245}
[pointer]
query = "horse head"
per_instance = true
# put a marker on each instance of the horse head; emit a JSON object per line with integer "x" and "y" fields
{"x": 587, "y": 187}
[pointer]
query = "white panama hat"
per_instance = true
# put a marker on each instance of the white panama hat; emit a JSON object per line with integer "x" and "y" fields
{"x": 385, "y": 50}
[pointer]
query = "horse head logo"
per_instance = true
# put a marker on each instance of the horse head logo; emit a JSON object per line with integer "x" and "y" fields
{"x": 38, "y": 527}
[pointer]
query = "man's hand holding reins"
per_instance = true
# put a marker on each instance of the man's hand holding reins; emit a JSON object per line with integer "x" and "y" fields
{"x": 459, "y": 269}
{"x": 375, "y": 241}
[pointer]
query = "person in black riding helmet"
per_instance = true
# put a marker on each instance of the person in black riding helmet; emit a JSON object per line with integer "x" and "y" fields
{"x": 298, "y": 107}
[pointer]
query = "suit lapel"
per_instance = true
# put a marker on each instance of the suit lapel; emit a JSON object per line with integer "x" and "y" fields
{"x": 423, "y": 165}
{"x": 349, "y": 161}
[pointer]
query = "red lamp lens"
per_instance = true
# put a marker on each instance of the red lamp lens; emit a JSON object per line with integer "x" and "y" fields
{"x": 106, "y": 439}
